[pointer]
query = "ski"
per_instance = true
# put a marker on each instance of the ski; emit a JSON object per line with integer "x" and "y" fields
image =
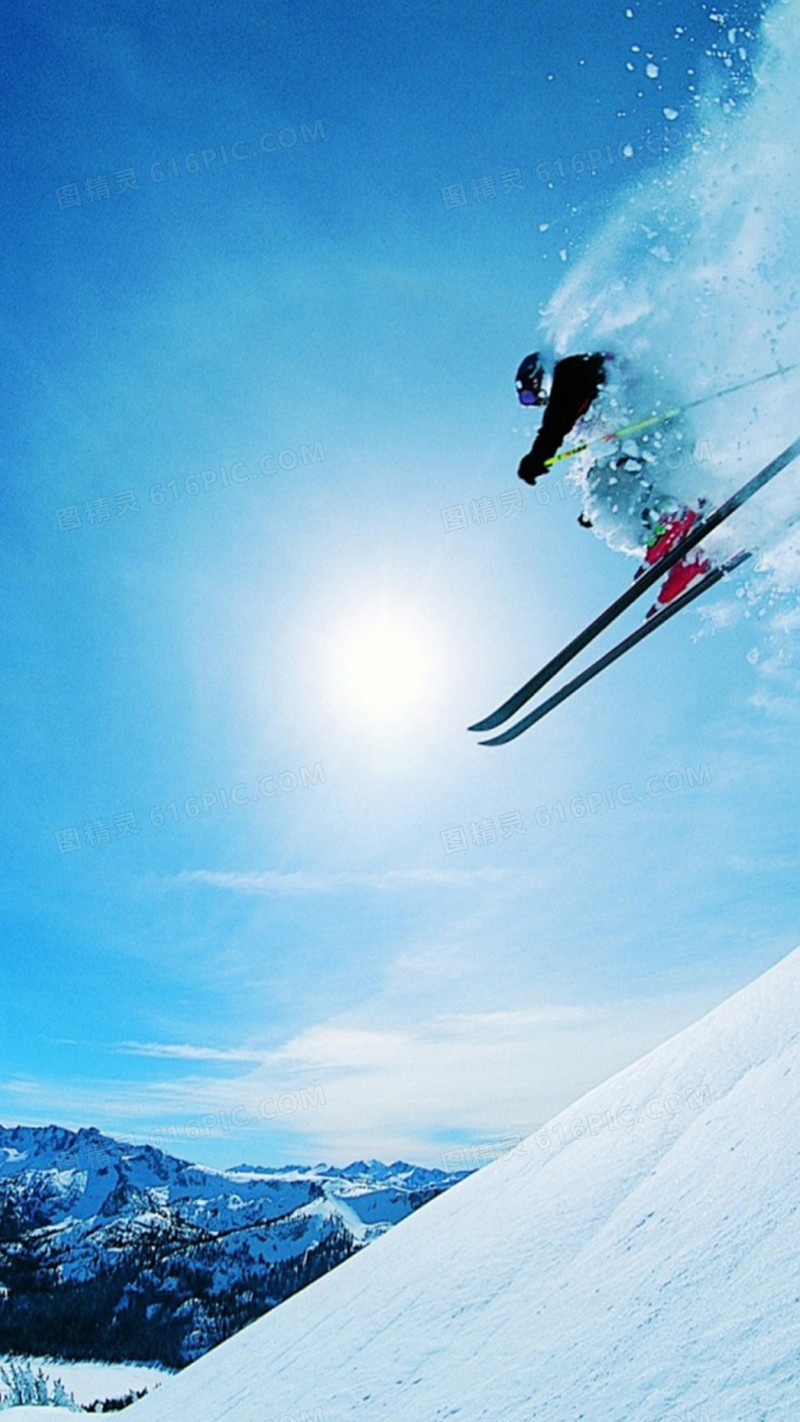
{"x": 616, "y": 652}
{"x": 701, "y": 530}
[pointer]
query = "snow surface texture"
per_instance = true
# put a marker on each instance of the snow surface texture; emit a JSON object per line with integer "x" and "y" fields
{"x": 693, "y": 283}
{"x": 638, "y": 1260}
{"x": 35, "y": 1414}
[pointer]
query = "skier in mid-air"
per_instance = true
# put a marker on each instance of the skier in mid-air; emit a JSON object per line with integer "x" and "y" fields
{"x": 629, "y": 510}
{"x": 576, "y": 383}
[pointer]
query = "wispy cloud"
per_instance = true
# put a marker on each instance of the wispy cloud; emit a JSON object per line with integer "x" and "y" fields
{"x": 300, "y": 882}
{"x": 766, "y": 863}
{"x": 167, "y": 1051}
{"x": 394, "y": 1087}
{"x": 783, "y": 708}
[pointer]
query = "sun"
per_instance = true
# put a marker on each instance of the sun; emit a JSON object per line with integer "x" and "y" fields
{"x": 383, "y": 666}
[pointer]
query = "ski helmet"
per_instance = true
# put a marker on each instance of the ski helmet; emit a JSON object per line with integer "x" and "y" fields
{"x": 529, "y": 380}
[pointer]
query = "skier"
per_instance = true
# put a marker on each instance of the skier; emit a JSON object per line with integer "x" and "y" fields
{"x": 576, "y": 384}
{"x": 574, "y": 388}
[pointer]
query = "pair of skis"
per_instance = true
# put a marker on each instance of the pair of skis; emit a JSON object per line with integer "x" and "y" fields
{"x": 701, "y": 530}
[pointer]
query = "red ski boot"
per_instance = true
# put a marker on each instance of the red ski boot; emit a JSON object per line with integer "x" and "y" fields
{"x": 678, "y": 579}
{"x": 668, "y": 526}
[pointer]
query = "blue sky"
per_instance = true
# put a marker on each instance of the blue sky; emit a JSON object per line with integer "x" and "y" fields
{"x": 296, "y": 360}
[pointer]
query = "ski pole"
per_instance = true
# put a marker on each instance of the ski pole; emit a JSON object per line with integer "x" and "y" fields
{"x": 667, "y": 415}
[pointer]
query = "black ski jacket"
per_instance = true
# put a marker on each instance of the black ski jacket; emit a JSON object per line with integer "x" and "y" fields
{"x": 576, "y": 383}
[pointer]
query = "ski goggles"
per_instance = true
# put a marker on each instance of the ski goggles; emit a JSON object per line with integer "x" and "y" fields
{"x": 529, "y": 380}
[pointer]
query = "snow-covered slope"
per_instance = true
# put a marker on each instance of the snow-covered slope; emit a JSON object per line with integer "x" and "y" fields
{"x": 639, "y": 1261}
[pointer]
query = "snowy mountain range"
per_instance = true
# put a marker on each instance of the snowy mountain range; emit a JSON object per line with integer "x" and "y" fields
{"x": 638, "y": 1259}
{"x": 114, "y": 1250}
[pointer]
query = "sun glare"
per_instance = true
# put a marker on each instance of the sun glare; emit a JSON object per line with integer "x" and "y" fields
{"x": 383, "y": 667}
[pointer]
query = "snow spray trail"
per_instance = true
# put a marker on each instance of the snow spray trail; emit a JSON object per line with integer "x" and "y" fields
{"x": 693, "y": 283}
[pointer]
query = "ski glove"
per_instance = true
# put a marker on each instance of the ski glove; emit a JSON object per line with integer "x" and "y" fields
{"x": 531, "y": 468}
